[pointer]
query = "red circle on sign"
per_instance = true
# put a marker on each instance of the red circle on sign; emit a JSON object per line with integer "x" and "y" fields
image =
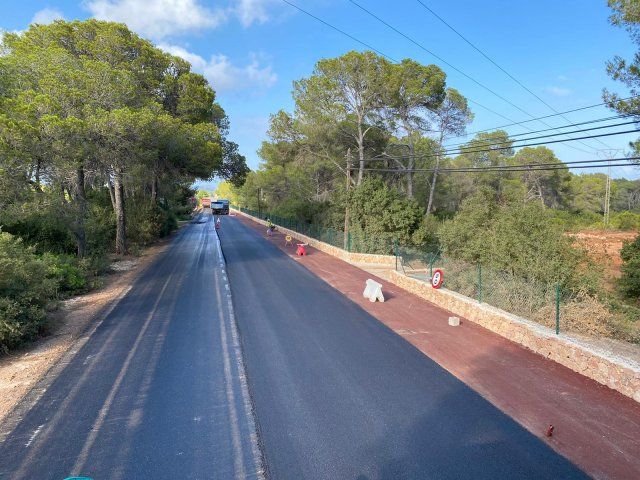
{"x": 437, "y": 279}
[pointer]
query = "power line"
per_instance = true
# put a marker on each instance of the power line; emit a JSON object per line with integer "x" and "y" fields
{"x": 421, "y": 46}
{"x": 526, "y": 165}
{"x": 496, "y": 147}
{"x": 448, "y": 147}
{"x": 558, "y": 141}
{"x": 339, "y": 30}
{"x": 594, "y": 163}
{"x": 496, "y": 64}
{"x": 481, "y": 170}
{"x": 534, "y": 119}
{"x": 395, "y": 61}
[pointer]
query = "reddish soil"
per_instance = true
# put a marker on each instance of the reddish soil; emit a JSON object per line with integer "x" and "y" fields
{"x": 603, "y": 247}
{"x": 595, "y": 427}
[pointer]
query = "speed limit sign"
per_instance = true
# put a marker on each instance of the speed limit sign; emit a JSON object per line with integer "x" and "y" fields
{"x": 437, "y": 279}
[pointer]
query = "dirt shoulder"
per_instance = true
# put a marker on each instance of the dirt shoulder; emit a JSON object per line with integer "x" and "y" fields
{"x": 21, "y": 370}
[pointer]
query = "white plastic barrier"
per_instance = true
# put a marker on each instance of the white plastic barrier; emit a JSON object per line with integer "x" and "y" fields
{"x": 373, "y": 291}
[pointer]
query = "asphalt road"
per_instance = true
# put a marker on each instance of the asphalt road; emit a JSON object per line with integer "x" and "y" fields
{"x": 159, "y": 390}
{"x": 338, "y": 395}
{"x": 156, "y": 392}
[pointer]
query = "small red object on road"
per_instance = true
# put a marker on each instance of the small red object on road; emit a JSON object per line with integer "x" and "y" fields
{"x": 549, "y": 431}
{"x": 217, "y": 224}
{"x": 301, "y": 250}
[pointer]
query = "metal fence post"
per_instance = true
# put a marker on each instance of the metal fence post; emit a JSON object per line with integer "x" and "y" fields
{"x": 395, "y": 251}
{"x": 479, "y": 283}
{"x": 557, "y": 308}
{"x": 348, "y": 241}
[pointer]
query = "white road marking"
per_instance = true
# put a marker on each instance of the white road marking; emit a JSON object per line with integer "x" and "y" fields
{"x": 34, "y": 435}
{"x": 237, "y": 351}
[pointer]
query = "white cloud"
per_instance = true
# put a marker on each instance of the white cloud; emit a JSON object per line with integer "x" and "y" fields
{"x": 559, "y": 91}
{"x": 252, "y": 11}
{"x": 224, "y": 75}
{"x": 158, "y": 18}
{"x": 46, "y": 16}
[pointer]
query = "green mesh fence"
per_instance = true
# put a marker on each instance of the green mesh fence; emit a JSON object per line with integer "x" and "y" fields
{"x": 515, "y": 294}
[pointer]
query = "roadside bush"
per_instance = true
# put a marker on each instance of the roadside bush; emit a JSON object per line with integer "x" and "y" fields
{"x": 43, "y": 227}
{"x": 630, "y": 280}
{"x": 183, "y": 212}
{"x": 26, "y": 290}
{"x": 380, "y": 215}
{"x": 147, "y": 222}
{"x": 571, "y": 221}
{"x": 95, "y": 264}
{"x": 625, "y": 220}
{"x": 516, "y": 237}
{"x": 100, "y": 224}
{"x": 65, "y": 271}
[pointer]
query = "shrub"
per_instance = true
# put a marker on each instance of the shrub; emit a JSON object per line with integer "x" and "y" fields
{"x": 26, "y": 289}
{"x": 147, "y": 222}
{"x": 519, "y": 238}
{"x": 630, "y": 280}
{"x": 65, "y": 271}
{"x": 380, "y": 215}
{"x": 95, "y": 264}
{"x": 625, "y": 220}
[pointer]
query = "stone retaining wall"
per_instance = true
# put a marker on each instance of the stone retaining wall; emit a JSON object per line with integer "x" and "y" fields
{"x": 605, "y": 369}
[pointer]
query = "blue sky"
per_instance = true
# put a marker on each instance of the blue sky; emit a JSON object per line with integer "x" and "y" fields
{"x": 251, "y": 51}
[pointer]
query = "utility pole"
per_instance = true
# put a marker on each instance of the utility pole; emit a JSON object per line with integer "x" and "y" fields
{"x": 607, "y": 197}
{"x": 346, "y": 208}
{"x": 609, "y": 155}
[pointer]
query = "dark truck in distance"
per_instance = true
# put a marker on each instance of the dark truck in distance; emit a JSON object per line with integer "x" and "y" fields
{"x": 220, "y": 207}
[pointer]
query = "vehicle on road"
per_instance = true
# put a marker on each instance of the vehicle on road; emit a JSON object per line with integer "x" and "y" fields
{"x": 205, "y": 202}
{"x": 217, "y": 208}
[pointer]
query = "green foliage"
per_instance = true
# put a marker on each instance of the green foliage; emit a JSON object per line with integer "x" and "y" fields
{"x": 625, "y": 220}
{"x": 630, "y": 281}
{"x": 573, "y": 221}
{"x": 26, "y": 289}
{"x": 513, "y": 236}
{"x": 379, "y": 216}
{"x": 65, "y": 272}
{"x": 149, "y": 222}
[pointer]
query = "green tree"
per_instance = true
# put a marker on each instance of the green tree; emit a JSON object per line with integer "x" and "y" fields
{"x": 450, "y": 118}
{"x": 512, "y": 236}
{"x": 77, "y": 89}
{"x": 227, "y": 191}
{"x": 625, "y": 14}
{"x": 588, "y": 192}
{"x": 349, "y": 89}
{"x": 552, "y": 188}
{"x": 413, "y": 91}
{"x": 381, "y": 215}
